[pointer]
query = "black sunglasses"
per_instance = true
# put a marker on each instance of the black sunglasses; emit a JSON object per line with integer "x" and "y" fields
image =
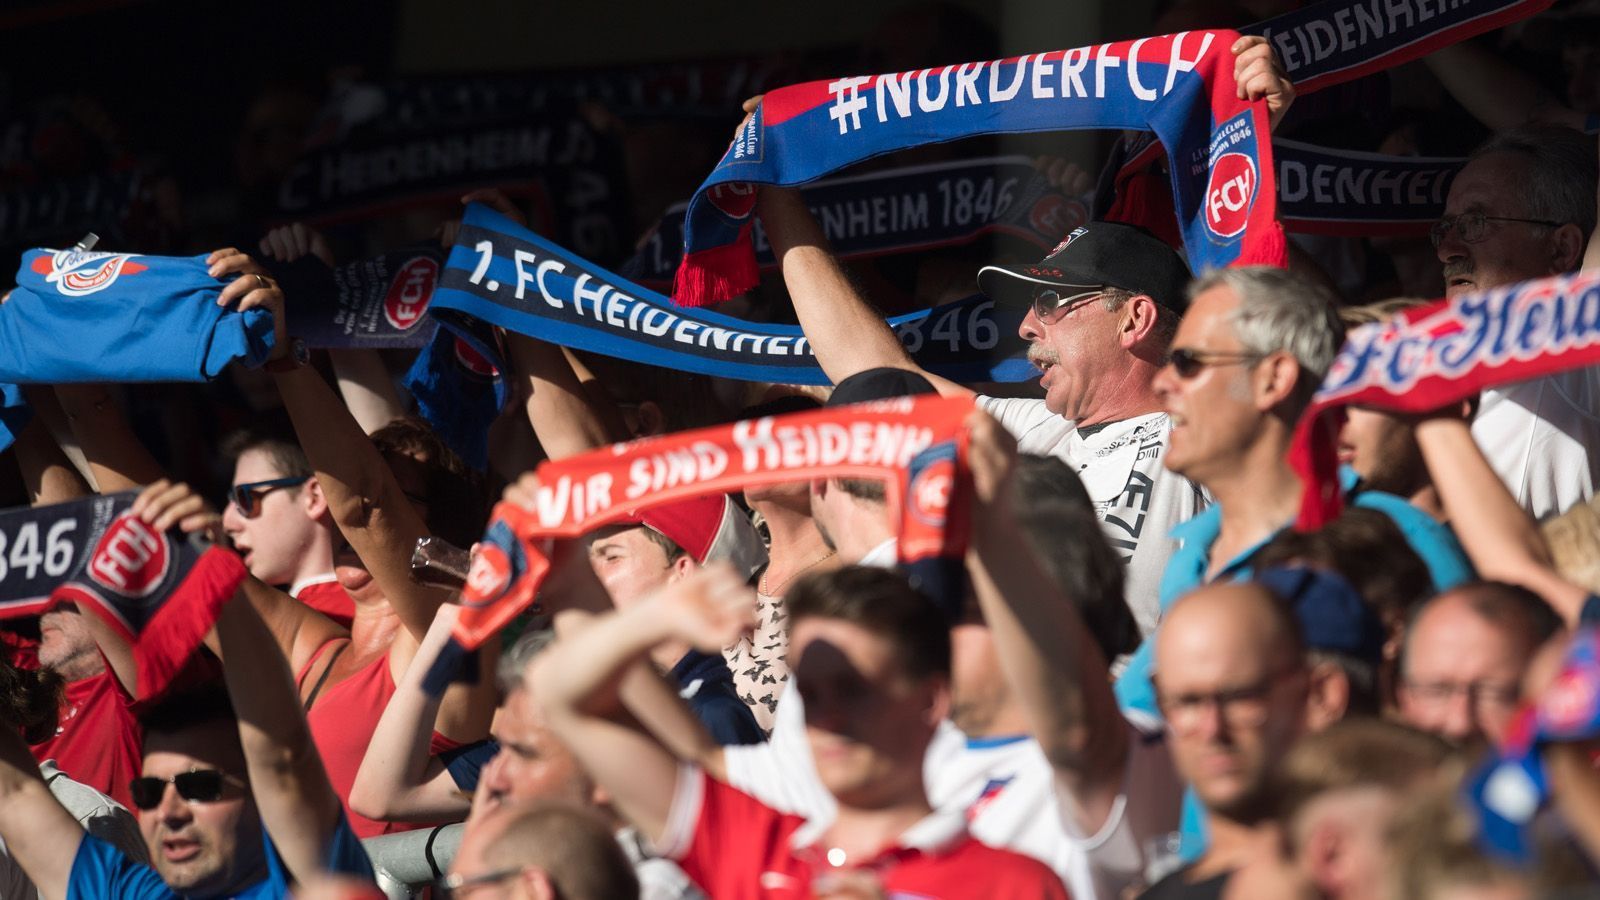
{"x": 196, "y": 786}
{"x": 246, "y": 498}
{"x": 1188, "y": 363}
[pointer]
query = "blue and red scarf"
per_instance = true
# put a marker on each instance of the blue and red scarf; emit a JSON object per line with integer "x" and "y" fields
{"x": 1179, "y": 86}
{"x": 1439, "y": 354}
{"x": 161, "y": 592}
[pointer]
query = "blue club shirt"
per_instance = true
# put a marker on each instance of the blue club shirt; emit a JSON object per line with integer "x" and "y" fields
{"x": 100, "y": 870}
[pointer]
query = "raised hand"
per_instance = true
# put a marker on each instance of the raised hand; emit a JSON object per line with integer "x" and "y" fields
{"x": 166, "y": 504}
{"x": 252, "y": 288}
{"x": 709, "y": 609}
{"x": 1260, "y": 76}
{"x": 288, "y": 243}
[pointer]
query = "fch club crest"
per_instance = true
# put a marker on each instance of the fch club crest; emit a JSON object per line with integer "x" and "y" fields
{"x": 78, "y": 273}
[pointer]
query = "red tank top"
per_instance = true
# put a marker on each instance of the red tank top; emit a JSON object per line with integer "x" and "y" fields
{"x": 342, "y": 719}
{"x": 97, "y": 740}
{"x": 328, "y": 598}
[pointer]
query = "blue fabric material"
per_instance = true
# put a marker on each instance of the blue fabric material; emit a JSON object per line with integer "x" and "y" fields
{"x": 457, "y": 400}
{"x": 78, "y": 317}
{"x": 503, "y": 274}
{"x": 465, "y": 764}
{"x": 707, "y": 685}
{"x": 1589, "y": 615}
{"x": 14, "y": 414}
{"x": 100, "y": 870}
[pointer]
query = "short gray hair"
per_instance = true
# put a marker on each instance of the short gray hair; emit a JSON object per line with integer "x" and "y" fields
{"x": 1561, "y": 171}
{"x": 1282, "y": 311}
{"x": 515, "y": 658}
{"x": 1115, "y": 298}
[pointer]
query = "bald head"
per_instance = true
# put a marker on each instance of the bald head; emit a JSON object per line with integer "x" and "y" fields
{"x": 1232, "y": 683}
{"x": 1465, "y": 654}
{"x": 1225, "y": 623}
{"x": 546, "y": 849}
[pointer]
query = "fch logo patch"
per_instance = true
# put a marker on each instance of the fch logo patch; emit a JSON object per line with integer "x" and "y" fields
{"x": 77, "y": 273}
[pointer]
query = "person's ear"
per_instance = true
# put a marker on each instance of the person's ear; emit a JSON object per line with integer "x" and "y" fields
{"x": 315, "y": 502}
{"x": 1328, "y": 699}
{"x": 1138, "y": 321}
{"x": 1320, "y": 857}
{"x": 536, "y": 884}
{"x": 1273, "y": 380}
{"x": 938, "y": 700}
{"x": 681, "y": 566}
{"x": 652, "y": 421}
{"x": 1566, "y": 248}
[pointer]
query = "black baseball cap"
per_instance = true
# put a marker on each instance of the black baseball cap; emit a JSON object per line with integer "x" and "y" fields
{"x": 1096, "y": 255}
{"x": 879, "y": 384}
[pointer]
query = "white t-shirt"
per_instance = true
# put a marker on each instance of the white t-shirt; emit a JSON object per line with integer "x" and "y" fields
{"x": 1137, "y": 500}
{"x": 1007, "y": 790}
{"x": 1543, "y": 438}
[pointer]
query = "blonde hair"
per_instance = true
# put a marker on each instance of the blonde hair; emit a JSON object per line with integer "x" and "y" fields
{"x": 1574, "y": 539}
{"x": 1379, "y": 311}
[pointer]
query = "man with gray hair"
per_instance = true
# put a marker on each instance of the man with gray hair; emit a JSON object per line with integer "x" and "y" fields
{"x": 1248, "y": 356}
{"x": 1251, "y": 350}
{"x": 1524, "y": 207}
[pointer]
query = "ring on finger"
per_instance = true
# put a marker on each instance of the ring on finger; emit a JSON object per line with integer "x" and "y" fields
{"x": 261, "y": 280}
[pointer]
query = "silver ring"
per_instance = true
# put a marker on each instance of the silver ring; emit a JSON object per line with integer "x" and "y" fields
{"x": 261, "y": 281}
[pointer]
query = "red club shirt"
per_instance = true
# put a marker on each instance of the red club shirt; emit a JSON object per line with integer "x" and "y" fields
{"x": 97, "y": 740}
{"x": 326, "y": 596}
{"x": 735, "y": 847}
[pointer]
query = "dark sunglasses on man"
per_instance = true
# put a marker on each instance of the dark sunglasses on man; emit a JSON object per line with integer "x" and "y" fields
{"x": 1189, "y": 363}
{"x": 195, "y": 786}
{"x": 247, "y": 497}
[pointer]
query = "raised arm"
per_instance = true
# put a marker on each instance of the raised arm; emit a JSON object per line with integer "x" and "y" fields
{"x": 1495, "y": 92}
{"x": 1500, "y": 538}
{"x": 367, "y": 503}
{"x": 1045, "y": 650}
{"x": 47, "y": 474}
{"x": 118, "y": 460}
{"x": 290, "y": 786}
{"x": 578, "y": 679}
{"x": 848, "y": 335}
{"x": 399, "y": 781}
{"x": 39, "y": 832}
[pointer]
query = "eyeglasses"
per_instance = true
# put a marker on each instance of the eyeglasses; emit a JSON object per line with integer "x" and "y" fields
{"x": 246, "y": 498}
{"x": 1240, "y": 708}
{"x": 459, "y": 885}
{"x": 195, "y": 786}
{"x": 1483, "y": 695}
{"x": 1188, "y": 363}
{"x": 1474, "y": 226}
{"x": 1049, "y": 303}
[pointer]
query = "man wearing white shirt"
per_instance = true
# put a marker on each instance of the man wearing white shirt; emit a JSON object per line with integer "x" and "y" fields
{"x": 984, "y": 762}
{"x": 1524, "y": 207}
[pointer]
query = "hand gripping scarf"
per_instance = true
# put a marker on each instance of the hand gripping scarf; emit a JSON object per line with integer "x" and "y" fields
{"x": 1179, "y": 86}
{"x": 1322, "y": 45}
{"x": 159, "y": 591}
{"x": 918, "y": 445}
{"x": 1444, "y": 353}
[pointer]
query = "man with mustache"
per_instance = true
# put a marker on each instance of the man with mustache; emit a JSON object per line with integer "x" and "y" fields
{"x": 1101, "y": 311}
{"x": 1523, "y": 208}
